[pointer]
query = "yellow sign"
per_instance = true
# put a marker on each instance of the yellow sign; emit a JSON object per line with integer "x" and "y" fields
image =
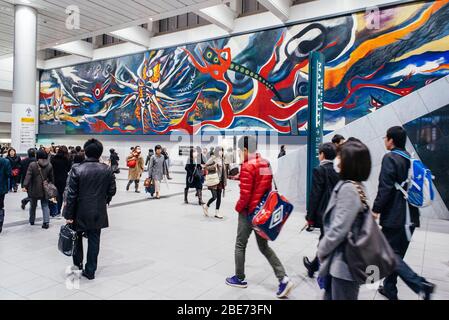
{"x": 28, "y": 120}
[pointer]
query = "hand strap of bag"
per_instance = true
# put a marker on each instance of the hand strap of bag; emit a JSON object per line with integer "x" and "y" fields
{"x": 362, "y": 195}
{"x": 272, "y": 174}
{"x": 40, "y": 173}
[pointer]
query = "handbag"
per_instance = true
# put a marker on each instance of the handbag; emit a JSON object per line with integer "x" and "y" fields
{"x": 367, "y": 252}
{"x": 131, "y": 163}
{"x": 271, "y": 214}
{"x": 50, "y": 190}
{"x": 15, "y": 172}
{"x": 149, "y": 186}
{"x": 147, "y": 182}
{"x": 212, "y": 179}
{"x": 67, "y": 240}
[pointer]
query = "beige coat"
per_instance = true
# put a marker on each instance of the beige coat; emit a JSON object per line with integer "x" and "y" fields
{"x": 136, "y": 172}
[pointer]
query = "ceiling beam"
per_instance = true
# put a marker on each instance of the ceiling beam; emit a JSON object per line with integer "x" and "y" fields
{"x": 220, "y": 15}
{"x": 172, "y": 13}
{"x": 136, "y": 35}
{"x": 280, "y": 8}
{"x": 79, "y": 48}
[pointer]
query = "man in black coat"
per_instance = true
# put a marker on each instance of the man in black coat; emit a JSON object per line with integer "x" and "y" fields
{"x": 324, "y": 180}
{"x": 391, "y": 206}
{"x": 90, "y": 188}
{"x": 25, "y": 164}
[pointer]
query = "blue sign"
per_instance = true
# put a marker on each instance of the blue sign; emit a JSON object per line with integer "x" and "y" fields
{"x": 315, "y": 112}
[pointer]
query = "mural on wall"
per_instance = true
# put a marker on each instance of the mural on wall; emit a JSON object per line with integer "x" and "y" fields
{"x": 255, "y": 81}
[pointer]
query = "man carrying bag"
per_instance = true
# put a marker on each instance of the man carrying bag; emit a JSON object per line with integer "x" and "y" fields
{"x": 90, "y": 188}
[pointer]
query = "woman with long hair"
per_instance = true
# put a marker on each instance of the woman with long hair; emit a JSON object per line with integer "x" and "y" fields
{"x": 61, "y": 166}
{"x": 194, "y": 175}
{"x": 216, "y": 181}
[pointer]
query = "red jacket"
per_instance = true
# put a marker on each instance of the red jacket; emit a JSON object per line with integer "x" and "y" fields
{"x": 255, "y": 181}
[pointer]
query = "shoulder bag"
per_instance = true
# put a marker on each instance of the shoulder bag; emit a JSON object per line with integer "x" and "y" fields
{"x": 368, "y": 254}
{"x": 50, "y": 190}
{"x": 212, "y": 178}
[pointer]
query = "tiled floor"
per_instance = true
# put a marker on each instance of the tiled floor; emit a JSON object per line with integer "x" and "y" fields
{"x": 168, "y": 250}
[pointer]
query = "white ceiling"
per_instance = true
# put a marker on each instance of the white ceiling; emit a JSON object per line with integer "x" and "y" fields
{"x": 97, "y": 17}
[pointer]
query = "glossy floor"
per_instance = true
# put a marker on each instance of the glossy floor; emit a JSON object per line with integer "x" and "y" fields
{"x": 164, "y": 249}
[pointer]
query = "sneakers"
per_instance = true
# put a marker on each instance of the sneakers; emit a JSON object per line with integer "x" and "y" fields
{"x": 285, "y": 286}
{"x": 236, "y": 282}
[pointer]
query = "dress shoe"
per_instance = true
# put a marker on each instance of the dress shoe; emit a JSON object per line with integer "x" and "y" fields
{"x": 309, "y": 267}
{"x": 85, "y": 275}
{"x": 382, "y": 291}
{"x": 45, "y": 226}
{"x": 427, "y": 290}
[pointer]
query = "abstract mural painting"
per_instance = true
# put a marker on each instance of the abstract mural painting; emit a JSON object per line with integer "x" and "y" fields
{"x": 254, "y": 81}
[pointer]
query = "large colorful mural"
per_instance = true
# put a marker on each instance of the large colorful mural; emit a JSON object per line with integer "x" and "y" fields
{"x": 254, "y": 81}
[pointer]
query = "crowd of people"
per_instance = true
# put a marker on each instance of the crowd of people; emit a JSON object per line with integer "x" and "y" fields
{"x": 85, "y": 186}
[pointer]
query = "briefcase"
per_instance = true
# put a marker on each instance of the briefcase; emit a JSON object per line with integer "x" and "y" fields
{"x": 67, "y": 240}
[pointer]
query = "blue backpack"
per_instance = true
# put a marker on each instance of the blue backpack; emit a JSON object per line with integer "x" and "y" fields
{"x": 419, "y": 185}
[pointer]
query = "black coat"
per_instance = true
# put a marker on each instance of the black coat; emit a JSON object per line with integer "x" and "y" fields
{"x": 324, "y": 180}
{"x": 33, "y": 181}
{"x": 15, "y": 162}
{"x": 194, "y": 176}
{"x": 25, "y": 164}
{"x": 90, "y": 188}
{"x": 61, "y": 168}
{"x": 390, "y": 202}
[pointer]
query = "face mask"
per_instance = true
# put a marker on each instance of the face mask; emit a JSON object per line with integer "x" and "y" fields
{"x": 337, "y": 164}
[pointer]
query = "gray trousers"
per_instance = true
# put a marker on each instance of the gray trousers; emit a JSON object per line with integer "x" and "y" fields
{"x": 244, "y": 231}
{"x": 342, "y": 290}
{"x": 45, "y": 210}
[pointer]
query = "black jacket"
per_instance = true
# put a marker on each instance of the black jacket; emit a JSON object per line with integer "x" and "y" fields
{"x": 390, "y": 202}
{"x": 25, "y": 164}
{"x": 324, "y": 180}
{"x": 33, "y": 180}
{"x": 194, "y": 176}
{"x": 61, "y": 168}
{"x": 90, "y": 187}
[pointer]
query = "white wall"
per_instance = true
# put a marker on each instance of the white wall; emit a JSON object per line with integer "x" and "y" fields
{"x": 371, "y": 129}
{"x": 6, "y": 72}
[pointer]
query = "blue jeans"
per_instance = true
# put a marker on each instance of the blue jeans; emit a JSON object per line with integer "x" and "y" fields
{"x": 45, "y": 210}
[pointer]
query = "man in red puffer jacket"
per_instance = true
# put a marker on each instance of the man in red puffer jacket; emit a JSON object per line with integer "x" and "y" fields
{"x": 255, "y": 181}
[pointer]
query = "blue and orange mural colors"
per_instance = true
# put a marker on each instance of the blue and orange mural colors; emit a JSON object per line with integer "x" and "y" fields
{"x": 254, "y": 81}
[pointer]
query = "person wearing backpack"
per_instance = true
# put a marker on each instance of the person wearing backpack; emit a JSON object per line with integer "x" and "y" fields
{"x": 338, "y": 220}
{"x": 256, "y": 180}
{"x": 324, "y": 180}
{"x": 391, "y": 206}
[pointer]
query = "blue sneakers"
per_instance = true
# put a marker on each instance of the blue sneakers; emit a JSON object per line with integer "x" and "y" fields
{"x": 236, "y": 282}
{"x": 285, "y": 286}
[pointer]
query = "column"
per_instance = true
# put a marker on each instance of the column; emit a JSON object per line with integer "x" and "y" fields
{"x": 24, "y": 115}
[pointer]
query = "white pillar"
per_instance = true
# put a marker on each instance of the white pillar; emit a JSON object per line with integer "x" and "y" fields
{"x": 24, "y": 115}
